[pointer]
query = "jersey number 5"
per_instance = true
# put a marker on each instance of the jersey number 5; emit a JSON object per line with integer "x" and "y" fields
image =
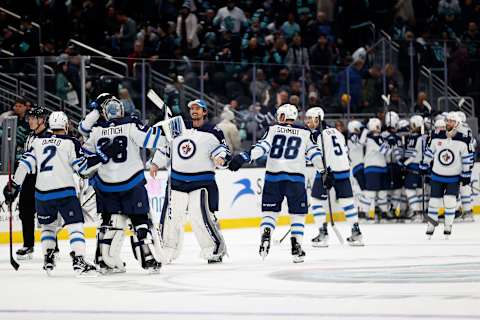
{"x": 122, "y": 141}
{"x": 337, "y": 148}
{"x": 286, "y": 148}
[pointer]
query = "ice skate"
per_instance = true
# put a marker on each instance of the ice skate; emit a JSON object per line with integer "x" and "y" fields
{"x": 153, "y": 266}
{"x": 49, "y": 261}
{"x": 214, "y": 260}
{"x": 468, "y": 216}
{"x": 104, "y": 269}
{"x": 417, "y": 217}
{"x": 82, "y": 267}
{"x": 298, "y": 255}
{"x": 356, "y": 239}
{"x": 447, "y": 231}
{"x": 430, "y": 230}
{"x": 25, "y": 253}
{"x": 265, "y": 243}
{"x": 321, "y": 241}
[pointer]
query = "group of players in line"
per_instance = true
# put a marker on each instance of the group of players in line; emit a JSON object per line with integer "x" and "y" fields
{"x": 110, "y": 158}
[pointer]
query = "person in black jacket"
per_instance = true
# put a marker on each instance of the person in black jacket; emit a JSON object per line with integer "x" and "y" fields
{"x": 37, "y": 120}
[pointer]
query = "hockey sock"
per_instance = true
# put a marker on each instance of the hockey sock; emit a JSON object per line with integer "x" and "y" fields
{"x": 382, "y": 200}
{"x": 433, "y": 206}
{"x": 77, "y": 238}
{"x": 413, "y": 201}
{"x": 450, "y": 206}
{"x": 350, "y": 210}
{"x": 49, "y": 232}
{"x": 318, "y": 211}
{"x": 297, "y": 226}
{"x": 269, "y": 220}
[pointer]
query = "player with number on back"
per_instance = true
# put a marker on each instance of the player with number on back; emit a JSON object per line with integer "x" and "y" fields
{"x": 337, "y": 176}
{"x": 287, "y": 148}
{"x": 55, "y": 157}
{"x": 120, "y": 191}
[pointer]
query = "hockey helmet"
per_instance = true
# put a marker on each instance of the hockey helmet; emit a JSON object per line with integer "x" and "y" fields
{"x": 58, "y": 120}
{"x": 416, "y": 122}
{"x": 289, "y": 112}
{"x": 354, "y": 126}
{"x": 38, "y": 112}
{"x": 391, "y": 119}
{"x": 440, "y": 124}
{"x": 315, "y": 112}
{"x": 374, "y": 124}
{"x": 462, "y": 116}
{"x": 112, "y": 109}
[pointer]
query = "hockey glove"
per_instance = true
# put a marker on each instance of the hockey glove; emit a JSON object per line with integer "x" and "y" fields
{"x": 328, "y": 180}
{"x": 423, "y": 170}
{"x": 11, "y": 194}
{"x": 391, "y": 141}
{"x": 238, "y": 161}
{"x": 94, "y": 105}
{"x": 465, "y": 181}
{"x": 109, "y": 150}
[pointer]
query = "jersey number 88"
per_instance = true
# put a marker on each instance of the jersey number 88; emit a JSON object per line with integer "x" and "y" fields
{"x": 288, "y": 148}
{"x": 122, "y": 141}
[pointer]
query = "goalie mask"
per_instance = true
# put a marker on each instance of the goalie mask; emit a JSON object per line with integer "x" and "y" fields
{"x": 112, "y": 109}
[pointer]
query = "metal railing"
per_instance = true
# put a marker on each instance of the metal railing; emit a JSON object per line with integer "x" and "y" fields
{"x": 18, "y": 18}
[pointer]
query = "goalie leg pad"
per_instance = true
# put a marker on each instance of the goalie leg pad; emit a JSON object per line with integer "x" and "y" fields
{"x": 110, "y": 239}
{"x": 171, "y": 225}
{"x": 144, "y": 244}
{"x": 205, "y": 226}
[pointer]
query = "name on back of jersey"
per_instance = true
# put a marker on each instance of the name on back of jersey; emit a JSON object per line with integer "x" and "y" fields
{"x": 288, "y": 130}
{"x": 112, "y": 131}
{"x": 54, "y": 141}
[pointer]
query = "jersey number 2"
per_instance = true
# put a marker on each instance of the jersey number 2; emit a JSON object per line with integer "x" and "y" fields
{"x": 50, "y": 151}
{"x": 288, "y": 150}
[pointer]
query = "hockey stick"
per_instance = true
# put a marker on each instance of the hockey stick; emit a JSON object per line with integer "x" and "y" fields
{"x": 155, "y": 98}
{"x": 14, "y": 263}
{"x": 279, "y": 241}
{"x": 332, "y": 223}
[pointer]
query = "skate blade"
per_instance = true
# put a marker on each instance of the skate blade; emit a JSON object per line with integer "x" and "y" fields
{"x": 153, "y": 271}
{"x": 298, "y": 259}
{"x": 89, "y": 274}
{"x": 356, "y": 243}
{"x": 25, "y": 257}
{"x": 429, "y": 236}
{"x": 319, "y": 244}
{"x": 49, "y": 272}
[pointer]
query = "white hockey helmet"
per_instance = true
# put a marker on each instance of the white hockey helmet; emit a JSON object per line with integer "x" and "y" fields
{"x": 315, "y": 112}
{"x": 440, "y": 124}
{"x": 403, "y": 124}
{"x": 58, "y": 120}
{"x": 416, "y": 122}
{"x": 113, "y": 108}
{"x": 453, "y": 116}
{"x": 462, "y": 116}
{"x": 374, "y": 124}
{"x": 354, "y": 126}
{"x": 289, "y": 112}
{"x": 391, "y": 119}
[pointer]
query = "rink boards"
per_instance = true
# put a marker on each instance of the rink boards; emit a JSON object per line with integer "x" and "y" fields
{"x": 239, "y": 207}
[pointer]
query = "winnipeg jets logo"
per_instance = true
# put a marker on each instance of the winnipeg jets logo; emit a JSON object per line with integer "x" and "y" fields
{"x": 446, "y": 157}
{"x": 186, "y": 149}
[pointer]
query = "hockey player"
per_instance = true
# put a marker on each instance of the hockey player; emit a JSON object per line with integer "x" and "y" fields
{"x": 196, "y": 153}
{"x": 337, "y": 176}
{"x": 287, "y": 148}
{"x": 37, "y": 120}
{"x": 55, "y": 157}
{"x": 356, "y": 155}
{"x": 449, "y": 158}
{"x": 466, "y": 190}
{"x": 376, "y": 149}
{"x": 414, "y": 152}
{"x": 393, "y": 156}
{"x": 120, "y": 191}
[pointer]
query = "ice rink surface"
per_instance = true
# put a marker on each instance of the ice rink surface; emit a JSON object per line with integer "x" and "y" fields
{"x": 397, "y": 275}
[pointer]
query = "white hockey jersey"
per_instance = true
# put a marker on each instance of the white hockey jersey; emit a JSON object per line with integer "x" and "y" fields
{"x": 124, "y": 171}
{"x": 336, "y": 152}
{"x": 55, "y": 159}
{"x": 192, "y": 155}
{"x": 86, "y": 125}
{"x": 450, "y": 158}
{"x": 415, "y": 145}
{"x": 356, "y": 152}
{"x": 376, "y": 150}
{"x": 288, "y": 148}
